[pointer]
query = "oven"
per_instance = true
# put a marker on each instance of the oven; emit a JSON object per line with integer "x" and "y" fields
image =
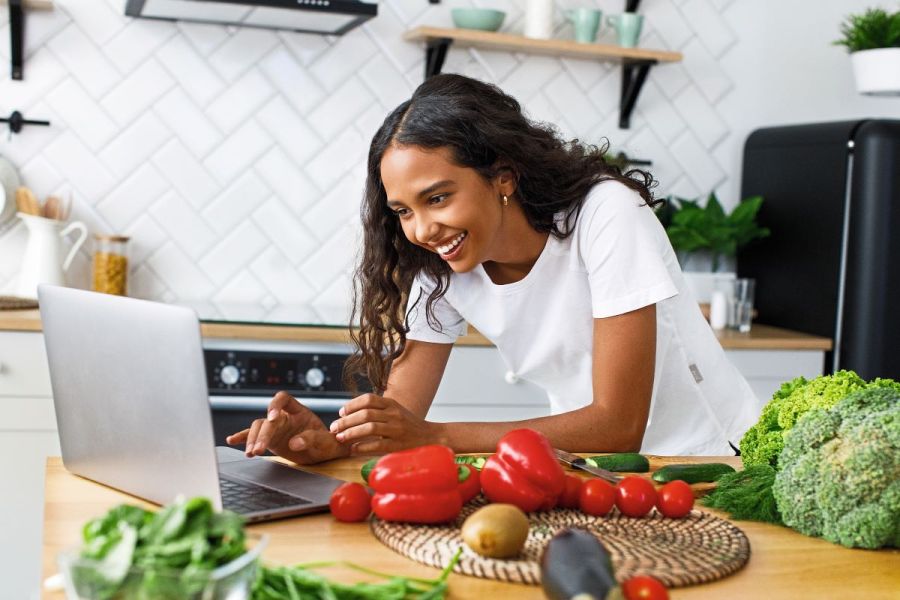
{"x": 243, "y": 375}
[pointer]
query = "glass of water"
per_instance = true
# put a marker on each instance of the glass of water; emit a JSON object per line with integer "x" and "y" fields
{"x": 741, "y": 313}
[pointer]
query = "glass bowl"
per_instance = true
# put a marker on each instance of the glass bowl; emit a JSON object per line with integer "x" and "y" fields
{"x": 84, "y": 578}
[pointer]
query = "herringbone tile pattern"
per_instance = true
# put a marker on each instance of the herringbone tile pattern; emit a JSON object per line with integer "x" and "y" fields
{"x": 235, "y": 157}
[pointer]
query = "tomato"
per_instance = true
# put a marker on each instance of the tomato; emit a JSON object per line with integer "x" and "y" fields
{"x": 471, "y": 487}
{"x": 644, "y": 587}
{"x": 635, "y": 496}
{"x": 597, "y": 497}
{"x": 569, "y": 497}
{"x": 676, "y": 499}
{"x": 350, "y": 503}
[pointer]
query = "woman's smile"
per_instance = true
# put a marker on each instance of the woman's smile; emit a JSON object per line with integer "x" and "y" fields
{"x": 452, "y": 249}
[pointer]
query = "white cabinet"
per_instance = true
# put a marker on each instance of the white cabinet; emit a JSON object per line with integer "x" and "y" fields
{"x": 477, "y": 387}
{"x": 27, "y": 437}
{"x": 766, "y": 370}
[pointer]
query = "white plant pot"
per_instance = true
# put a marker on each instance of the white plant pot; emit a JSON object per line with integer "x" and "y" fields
{"x": 877, "y": 71}
{"x": 702, "y": 285}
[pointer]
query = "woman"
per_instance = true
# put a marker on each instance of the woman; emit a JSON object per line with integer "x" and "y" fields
{"x": 473, "y": 214}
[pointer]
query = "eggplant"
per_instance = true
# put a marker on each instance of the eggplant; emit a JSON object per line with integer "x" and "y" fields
{"x": 576, "y": 566}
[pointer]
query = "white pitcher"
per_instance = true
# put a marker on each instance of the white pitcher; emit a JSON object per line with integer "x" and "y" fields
{"x": 43, "y": 261}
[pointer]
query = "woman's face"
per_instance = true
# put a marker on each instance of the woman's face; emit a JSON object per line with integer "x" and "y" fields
{"x": 443, "y": 207}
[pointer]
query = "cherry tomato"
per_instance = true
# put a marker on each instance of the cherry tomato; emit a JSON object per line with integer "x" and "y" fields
{"x": 644, "y": 587}
{"x": 597, "y": 497}
{"x": 676, "y": 499}
{"x": 471, "y": 487}
{"x": 635, "y": 496}
{"x": 350, "y": 503}
{"x": 569, "y": 497}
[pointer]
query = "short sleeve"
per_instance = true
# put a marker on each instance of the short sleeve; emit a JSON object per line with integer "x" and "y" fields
{"x": 624, "y": 247}
{"x": 450, "y": 325}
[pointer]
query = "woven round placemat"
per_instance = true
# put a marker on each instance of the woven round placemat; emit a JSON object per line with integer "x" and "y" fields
{"x": 678, "y": 552}
{"x": 16, "y": 303}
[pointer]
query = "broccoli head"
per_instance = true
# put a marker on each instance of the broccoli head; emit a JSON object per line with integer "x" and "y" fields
{"x": 762, "y": 443}
{"x": 839, "y": 475}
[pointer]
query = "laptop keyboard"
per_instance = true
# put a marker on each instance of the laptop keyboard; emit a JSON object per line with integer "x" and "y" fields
{"x": 247, "y": 498}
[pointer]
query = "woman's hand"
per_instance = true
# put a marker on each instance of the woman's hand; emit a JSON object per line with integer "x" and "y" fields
{"x": 372, "y": 424}
{"x": 292, "y": 431}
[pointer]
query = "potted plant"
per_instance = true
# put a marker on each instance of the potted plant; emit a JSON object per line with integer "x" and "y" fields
{"x": 706, "y": 238}
{"x": 873, "y": 40}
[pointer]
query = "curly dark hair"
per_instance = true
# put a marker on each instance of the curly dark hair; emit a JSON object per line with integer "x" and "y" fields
{"x": 482, "y": 127}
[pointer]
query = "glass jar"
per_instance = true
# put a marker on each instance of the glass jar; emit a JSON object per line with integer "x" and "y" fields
{"x": 110, "y": 267}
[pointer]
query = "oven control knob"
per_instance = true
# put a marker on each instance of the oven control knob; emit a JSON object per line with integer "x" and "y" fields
{"x": 229, "y": 375}
{"x": 315, "y": 377}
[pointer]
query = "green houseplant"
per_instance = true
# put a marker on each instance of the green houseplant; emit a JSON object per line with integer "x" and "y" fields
{"x": 693, "y": 228}
{"x": 873, "y": 40}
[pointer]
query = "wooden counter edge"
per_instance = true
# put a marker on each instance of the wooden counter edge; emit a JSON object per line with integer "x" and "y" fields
{"x": 761, "y": 337}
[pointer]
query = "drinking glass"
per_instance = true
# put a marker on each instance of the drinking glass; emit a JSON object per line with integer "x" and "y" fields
{"x": 741, "y": 313}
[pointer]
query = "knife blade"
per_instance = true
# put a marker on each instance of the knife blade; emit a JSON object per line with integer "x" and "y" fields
{"x": 577, "y": 462}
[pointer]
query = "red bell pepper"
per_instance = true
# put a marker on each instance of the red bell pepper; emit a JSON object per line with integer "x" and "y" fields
{"x": 471, "y": 486}
{"x": 524, "y": 472}
{"x": 416, "y": 486}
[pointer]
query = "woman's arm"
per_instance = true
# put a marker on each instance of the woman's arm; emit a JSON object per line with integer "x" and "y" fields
{"x": 623, "y": 364}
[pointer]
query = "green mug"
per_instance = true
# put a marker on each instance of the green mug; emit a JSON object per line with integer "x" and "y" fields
{"x": 586, "y": 22}
{"x": 628, "y": 28}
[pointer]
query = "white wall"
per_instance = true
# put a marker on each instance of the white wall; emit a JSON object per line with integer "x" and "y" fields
{"x": 234, "y": 158}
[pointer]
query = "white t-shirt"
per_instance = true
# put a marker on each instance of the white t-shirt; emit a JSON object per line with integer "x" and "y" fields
{"x": 617, "y": 259}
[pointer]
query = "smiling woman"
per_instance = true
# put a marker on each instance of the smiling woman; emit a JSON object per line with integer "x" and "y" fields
{"x": 475, "y": 214}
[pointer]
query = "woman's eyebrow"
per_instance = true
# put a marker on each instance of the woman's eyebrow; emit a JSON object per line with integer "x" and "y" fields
{"x": 426, "y": 191}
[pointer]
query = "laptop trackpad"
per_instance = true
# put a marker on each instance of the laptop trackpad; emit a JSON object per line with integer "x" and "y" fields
{"x": 312, "y": 486}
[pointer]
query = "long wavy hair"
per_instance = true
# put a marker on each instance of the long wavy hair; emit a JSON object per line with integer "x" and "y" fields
{"x": 481, "y": 126}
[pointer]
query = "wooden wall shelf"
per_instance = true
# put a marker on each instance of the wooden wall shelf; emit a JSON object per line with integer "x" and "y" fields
{"x": 636, "y": 62}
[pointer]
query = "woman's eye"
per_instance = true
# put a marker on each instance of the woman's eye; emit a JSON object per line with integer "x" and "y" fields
{"x": 402, "y": 212}
{"x": 437, "y": 199}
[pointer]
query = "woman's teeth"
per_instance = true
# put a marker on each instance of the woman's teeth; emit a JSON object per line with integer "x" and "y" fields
{"x": 448, "y": 248}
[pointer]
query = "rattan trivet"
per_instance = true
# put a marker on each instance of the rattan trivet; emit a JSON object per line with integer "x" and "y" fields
{"x": 16, "y": 303}
{"x": 696, "y": 549}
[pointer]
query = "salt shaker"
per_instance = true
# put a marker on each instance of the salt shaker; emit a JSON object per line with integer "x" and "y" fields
{"x": 718, "y": 310}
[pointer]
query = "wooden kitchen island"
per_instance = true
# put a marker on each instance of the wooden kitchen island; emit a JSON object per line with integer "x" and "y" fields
{"x": 783, "y": 564}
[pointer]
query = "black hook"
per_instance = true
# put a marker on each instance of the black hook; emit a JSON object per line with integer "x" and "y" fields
{"x": 16, "y": 120}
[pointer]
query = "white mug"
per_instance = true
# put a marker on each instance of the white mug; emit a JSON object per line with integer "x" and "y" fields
{"x": 43, "y": 262}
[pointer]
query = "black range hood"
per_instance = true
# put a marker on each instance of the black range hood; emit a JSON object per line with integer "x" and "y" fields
{"x": 333, "y": 17}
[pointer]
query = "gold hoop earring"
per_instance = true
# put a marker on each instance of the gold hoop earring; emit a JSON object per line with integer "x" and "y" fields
{"x": 505, "y": 200}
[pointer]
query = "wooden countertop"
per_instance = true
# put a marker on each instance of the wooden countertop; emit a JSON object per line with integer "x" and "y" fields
{"x": 784, "y": 565}
{"x": 761, "y": 337}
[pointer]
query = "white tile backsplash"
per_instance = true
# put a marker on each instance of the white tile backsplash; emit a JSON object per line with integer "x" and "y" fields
{"x": 235, "y": 157}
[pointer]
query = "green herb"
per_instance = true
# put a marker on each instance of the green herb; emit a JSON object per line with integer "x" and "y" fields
{"x": 475, "y": 461}
{"x": 746, "y": 495}
{"x": 691, "y": 227}
{"x": 300, "y": 582}
{"x": 876, "y": 28}
{"x": 172, "y": 551}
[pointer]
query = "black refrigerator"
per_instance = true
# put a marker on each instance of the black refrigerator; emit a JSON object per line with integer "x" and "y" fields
{"x": 831, "y": 266}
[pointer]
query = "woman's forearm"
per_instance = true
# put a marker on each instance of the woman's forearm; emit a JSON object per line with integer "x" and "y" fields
{"x": 588, "y": 429}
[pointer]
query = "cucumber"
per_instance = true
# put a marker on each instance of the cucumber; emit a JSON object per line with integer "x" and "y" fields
{"x": 628, "y": 462}
{"x": 696, "y": 473}
{"x": 367, "y": 468}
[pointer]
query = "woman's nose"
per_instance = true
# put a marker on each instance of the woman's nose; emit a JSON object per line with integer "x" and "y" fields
{"x": 426, "y": 229}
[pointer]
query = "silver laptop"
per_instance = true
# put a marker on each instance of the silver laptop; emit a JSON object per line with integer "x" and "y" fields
{"x": 132, "y": 408}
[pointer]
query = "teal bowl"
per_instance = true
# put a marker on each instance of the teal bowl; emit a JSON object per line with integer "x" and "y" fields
{"x": 485, "y": 19}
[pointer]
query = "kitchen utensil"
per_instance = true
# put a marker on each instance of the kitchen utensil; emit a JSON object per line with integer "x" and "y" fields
{"x": 697, "y": 548}
{"x": 51, "y": 208}
{"x": 27, "y": 202}
{"x": 577, "y": 462}
{"x": 42, "y": 261}
{"x": 9, "y": 182}
{"x": 485, "y": 19}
